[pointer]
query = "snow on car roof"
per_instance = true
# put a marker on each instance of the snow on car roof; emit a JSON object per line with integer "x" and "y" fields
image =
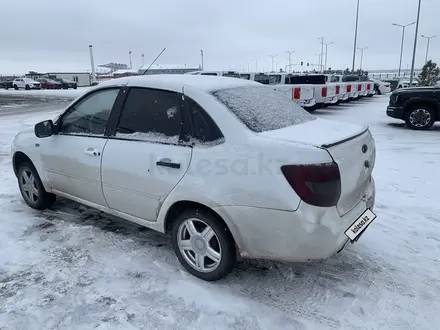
{"x": 177, "y": 81}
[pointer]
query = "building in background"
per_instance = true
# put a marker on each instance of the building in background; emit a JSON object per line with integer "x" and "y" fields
{"x": 81, "y": 78}
{"x": 168, "y": 69}
{"x": 125, "y": 73}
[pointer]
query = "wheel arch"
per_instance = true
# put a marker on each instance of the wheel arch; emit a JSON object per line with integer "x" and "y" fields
{"x": 179, "y": 206}
{"x": 423, "y": 102}
{"x": 18, "y": 158}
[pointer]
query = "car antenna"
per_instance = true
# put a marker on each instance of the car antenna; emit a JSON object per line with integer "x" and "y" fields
{"x": 154, "y": 61}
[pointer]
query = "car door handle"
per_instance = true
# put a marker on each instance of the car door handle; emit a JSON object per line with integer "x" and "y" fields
{"x": 92, "y": 152}
{"x": 166, "y": 162}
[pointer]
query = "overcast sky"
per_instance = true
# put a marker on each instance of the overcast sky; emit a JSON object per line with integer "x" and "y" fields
{"x": 53, "y": 35}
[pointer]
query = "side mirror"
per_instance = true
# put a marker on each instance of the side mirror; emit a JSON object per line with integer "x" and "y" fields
{"x": 44, "y": 129}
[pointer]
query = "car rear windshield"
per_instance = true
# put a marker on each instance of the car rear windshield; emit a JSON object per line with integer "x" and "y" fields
{"x": 261, "y": 108}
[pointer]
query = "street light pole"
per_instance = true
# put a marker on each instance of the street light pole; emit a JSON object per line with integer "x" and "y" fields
{"x": 362, "y": 54}
{"x": 290, "y": 59}
{"x": 201, "y": 55}
{"x": 129, "y": 54}
{"x": 355, "y": 37}
{"x": 415, "y": 44}
{"x": 326, "y": 45}
{"x": 427, "y": 45}
{"x": 273, "y": 57}
{"x": 403, "y": 37}
{"x": 321, "y": 62}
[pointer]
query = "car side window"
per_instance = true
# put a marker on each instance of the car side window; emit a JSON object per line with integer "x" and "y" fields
{"x": 204, "y": 127}
{"x": 90, "y": 115}
{"x": 151, "y": 115}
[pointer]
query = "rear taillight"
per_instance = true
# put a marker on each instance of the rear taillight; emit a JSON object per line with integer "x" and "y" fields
{"x": 338, "y": 89}
{"x": 315, "y": 184}
{"x": 368, "y": 87}
{"x": 324, "y": 92}
{"x": 359, "y": 88}
{"x": 348, "y": 88}
{"x": 297, "y": 93}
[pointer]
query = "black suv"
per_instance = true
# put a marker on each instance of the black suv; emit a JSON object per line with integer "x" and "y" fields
{"x": 419, "y": 107}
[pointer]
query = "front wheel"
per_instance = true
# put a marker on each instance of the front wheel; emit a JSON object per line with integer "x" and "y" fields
{"x": 27, "y": 87}
{"x": 203, "y": 245}
{"x": 32, "y": 189}
{"x": 420, "y": 117}
{"x": 16, "y": 87}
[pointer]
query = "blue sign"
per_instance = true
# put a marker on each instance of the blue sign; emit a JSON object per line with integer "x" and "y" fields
{"x": 366, "y": 73}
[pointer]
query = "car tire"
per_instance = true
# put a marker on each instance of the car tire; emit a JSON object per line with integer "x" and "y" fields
{"x": 16, "y": 87}
{"x": 420, "y": 117}
{"x": 203, "y": 244}
{"x": 27, "y": 87}
{"x": 74, "y": 87}
{"x": 32, "y": 189}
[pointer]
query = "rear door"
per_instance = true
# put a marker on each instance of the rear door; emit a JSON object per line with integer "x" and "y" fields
{"x": 145, "y": 156}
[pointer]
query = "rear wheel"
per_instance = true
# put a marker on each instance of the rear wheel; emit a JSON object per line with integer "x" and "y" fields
{"x": 32, "y": 189}
{"x": 27, "y": 87}
{"x": 16, "y": 87}
{"x": 420, "y": 117}
{"x": 203, "y": 245}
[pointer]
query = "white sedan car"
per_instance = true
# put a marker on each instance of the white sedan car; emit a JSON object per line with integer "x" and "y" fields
{"x": 225, "y": 166}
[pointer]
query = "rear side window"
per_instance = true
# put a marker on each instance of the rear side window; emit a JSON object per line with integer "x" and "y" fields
{"x": 261, "y": 108}
{"x": 245, "y": 76}
{"x": 205, "y": 129}
{"x": 334, "y": 79}
{"x": 151, "y": 115}
{"x": 274, "y": 78}
{"x": 208, "y": 74}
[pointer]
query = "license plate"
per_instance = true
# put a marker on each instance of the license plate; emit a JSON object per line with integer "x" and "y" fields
{"x": 360, "y": 224}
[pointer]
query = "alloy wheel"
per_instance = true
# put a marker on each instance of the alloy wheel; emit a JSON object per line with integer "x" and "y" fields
{"x": 28, "y": 185}
{"x": 420, "y": 118}
{"x": 199, "y": 245}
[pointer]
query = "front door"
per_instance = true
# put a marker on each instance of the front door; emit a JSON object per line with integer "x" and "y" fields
{"x": 145, "y": 158}
{"x": 72, "y": 158}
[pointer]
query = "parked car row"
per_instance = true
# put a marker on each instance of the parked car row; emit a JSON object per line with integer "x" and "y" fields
{"x": 312, "y": 91}
{"x": 41, "y": 83}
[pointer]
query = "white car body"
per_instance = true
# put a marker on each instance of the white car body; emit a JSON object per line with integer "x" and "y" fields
{"x": 119, "y": 173}
{"x": 404, "y": 83}
{"x": 302, "y": 94}
{"x": 350, "y": 87}
{"x": 384, "y": 87}
{"x": 25, "y": 83}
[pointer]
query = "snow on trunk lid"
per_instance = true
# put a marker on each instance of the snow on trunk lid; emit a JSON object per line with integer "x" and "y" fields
{"x": 355, "y": 158}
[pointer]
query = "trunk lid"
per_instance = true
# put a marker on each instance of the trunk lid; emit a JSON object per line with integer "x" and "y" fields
{"x": 351, "y": 146}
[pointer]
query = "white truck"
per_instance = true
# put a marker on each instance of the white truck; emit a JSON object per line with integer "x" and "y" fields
{"x": 325, "y": 90}
{"x": 233, "y": 74}
{"x": 294, "y": 87}
{"x": 261, "y": 77}
{"x": 341, "y": 87}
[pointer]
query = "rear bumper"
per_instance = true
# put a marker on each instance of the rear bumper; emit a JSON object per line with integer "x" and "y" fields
{"x": 343, "y": 97}
{"x": 396, "y": 112}
{"x": 331, "y": 100}
{"x": 310, "y": 233}
{"x": 307, "y": 103}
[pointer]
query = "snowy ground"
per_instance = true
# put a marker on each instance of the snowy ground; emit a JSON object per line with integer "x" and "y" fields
{"x": 74, "y": 268}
